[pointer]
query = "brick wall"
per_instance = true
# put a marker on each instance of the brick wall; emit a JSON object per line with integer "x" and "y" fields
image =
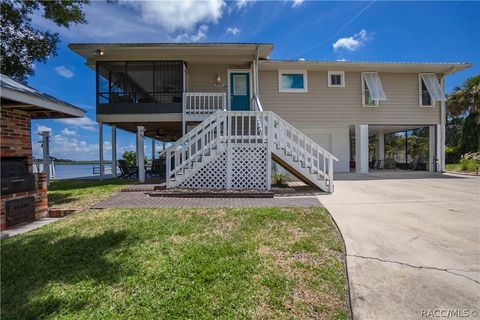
{"x": 15, "y": 135}
{"x": 15, "y": 141}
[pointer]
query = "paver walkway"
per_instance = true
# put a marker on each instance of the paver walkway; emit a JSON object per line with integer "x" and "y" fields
{"x": 143, "y": 200}
{"x": 413, "y": 243}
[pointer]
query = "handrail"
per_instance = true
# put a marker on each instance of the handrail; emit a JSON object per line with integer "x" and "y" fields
{"x": 256, "y": 103}
{"x": 244, "y": 127}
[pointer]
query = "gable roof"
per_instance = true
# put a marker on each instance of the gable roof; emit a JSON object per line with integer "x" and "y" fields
{"x": 41, "y": 105}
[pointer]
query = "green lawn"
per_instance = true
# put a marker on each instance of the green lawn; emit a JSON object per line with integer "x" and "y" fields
{"x": 175, "y": 264}
{"x": 468, "y": 166}
{"x": 81, "y": 194}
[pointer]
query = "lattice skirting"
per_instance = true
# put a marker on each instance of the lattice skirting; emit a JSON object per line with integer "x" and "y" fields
{"x": 249, "y": 165}
{"x": 212, "y": 176}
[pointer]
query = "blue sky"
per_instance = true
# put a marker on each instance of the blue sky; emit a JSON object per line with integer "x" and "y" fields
{"x": 363, "y": 31}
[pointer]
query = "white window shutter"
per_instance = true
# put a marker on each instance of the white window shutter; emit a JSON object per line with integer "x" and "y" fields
{"x": 433, "y": 87}
{"x": 374, "y": 86}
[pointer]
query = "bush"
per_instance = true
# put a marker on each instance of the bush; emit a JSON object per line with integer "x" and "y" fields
{"x": 130, "y": 158}
{"x": 279, "y": 179}
{"x": 452, "y": 154}
{"x": 470, "y": 162}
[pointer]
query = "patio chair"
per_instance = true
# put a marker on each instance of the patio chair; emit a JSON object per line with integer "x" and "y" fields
{"x": 158, "y": 169}
{"x": 126, "y": 171}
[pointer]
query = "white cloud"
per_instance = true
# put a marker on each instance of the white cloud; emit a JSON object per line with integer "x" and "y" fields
{"x": 42, "y": 128}
{"x": 178, "y": 15}
{"x": 233, "y": 30}
{"x": 82, "y": 123}
{"x": 200, "y": 35}
{"x": 297, "y": 3}
{"x": 240, "y": 4}
{"x": 352, "y": 43}
{"x": 64, "y": 72}
{"x": 68, "y": 132}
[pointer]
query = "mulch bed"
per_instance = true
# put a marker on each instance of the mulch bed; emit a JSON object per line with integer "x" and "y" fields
{"x": 211, "y": 193}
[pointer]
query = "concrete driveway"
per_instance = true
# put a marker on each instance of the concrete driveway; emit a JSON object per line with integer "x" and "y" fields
{"x": 413, "y": 243}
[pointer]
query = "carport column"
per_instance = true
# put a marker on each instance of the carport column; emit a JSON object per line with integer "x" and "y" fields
{"x": 361, "y": 148}
{"x": 431, "y": 149}
{"x": 114, "y": 151}
{"x": 439, "y": 149}
{"x": 380, "y": 152}
{"x": 443, "y": 120}
{"x": 100, "y": 149}
{"x": 141, "y": 154}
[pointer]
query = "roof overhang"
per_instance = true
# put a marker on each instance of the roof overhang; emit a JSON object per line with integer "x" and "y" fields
{"x": 15, "y": 95}
{"x": 190, "y": 52}
{"x": 358, "y": 66}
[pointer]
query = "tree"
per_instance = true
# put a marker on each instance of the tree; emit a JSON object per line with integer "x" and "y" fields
{"x": 470, "y": 141}
{"x": 465, "y": 100}
{"x": 21, "y": 44}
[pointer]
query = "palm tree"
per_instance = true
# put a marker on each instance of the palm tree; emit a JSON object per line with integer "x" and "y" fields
{"x": 465, "y": 100}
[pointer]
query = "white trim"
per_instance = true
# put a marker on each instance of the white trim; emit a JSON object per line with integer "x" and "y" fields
{"x": 420, "y": 80}
{"x": 362, "y": 79}
{"x": 249, "y": 71}
{"x": 305, "y": 81}
{"x": 27, "y": 98}
{"x": 342, "y": 77}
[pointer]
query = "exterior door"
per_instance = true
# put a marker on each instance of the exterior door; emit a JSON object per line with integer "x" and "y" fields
{"x": 239, "y": 91}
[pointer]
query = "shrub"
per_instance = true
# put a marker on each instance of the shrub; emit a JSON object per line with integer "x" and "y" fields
{"x": 279, "y": 179}
{"x": 470, "y": 162}
{"x": 452, "y": 154}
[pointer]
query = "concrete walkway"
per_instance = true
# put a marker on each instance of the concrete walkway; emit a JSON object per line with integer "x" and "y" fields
{"x": 413, "y": 242}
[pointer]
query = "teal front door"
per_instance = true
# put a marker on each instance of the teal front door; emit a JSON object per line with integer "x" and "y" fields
{"x": 239, "y": 91}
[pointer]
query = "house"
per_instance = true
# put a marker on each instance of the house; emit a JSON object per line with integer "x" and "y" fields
{"x": 230, "y": 110}
{"x": 24, "y": 194}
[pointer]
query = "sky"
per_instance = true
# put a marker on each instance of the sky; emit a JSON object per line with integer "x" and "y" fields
{"x": 356, "y": 31}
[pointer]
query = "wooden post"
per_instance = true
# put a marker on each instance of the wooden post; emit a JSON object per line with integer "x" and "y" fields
{"x": 46, "y": 154}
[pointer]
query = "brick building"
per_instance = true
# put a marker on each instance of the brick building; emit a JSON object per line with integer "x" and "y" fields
{"x": 24, "y": 194}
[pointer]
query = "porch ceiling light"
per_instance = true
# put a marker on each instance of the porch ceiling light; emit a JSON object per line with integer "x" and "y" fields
{"x": 99, "y": 52}
{"x": 218, "y": 78}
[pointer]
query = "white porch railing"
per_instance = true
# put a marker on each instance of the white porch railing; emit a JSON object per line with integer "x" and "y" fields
{"x": 197, "y": 106}
{"x": 224, "y": 129}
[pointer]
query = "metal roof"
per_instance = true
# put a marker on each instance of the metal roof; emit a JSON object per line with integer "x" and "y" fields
{"x": 216, "y": 52}
{"x": 438, "y": 67}
{"x": 26, "y": 97}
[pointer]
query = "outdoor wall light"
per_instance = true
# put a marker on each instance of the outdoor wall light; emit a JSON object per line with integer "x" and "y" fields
{"x": 218, "y": 82}
{"x": 99, "y": 52}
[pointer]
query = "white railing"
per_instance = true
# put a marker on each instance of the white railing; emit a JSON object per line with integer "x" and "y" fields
{"x": 197, "y": 106}
{"x": 38, "y": 166}
{"x": 304, "y": 150}
{"x": 250, "y": 127}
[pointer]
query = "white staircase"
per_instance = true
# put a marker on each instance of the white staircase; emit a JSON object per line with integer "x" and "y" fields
{"x": 234, "y": 150}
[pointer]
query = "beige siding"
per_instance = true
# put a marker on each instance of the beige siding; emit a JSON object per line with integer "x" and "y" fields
{"x": 202, "y": 77}
{"x": 334, "y": 107}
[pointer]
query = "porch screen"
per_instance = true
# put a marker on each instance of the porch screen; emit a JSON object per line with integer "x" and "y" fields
{"x": 374, "y": 86}
{"x": 433, "y": 86}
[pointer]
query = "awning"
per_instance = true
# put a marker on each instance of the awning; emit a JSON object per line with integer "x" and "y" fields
{"x": 433, "y": 87}
{"x": 374, "y": 86}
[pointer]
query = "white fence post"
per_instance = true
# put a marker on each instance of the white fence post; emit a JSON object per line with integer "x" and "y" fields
{"x": 270, "y": 138}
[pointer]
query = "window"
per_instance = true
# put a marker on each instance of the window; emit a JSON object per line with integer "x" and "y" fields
{"x": 429, "y": 89}
{"x": 336, "y": 79}
{"x": 292, "y": 81}
{"x": 372, "y": 89}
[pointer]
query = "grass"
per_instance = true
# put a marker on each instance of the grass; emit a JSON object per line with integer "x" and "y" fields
{"x": 176, "y": 263}
{"x": 466, "y": 166}
{"x": 81, "y": 194}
